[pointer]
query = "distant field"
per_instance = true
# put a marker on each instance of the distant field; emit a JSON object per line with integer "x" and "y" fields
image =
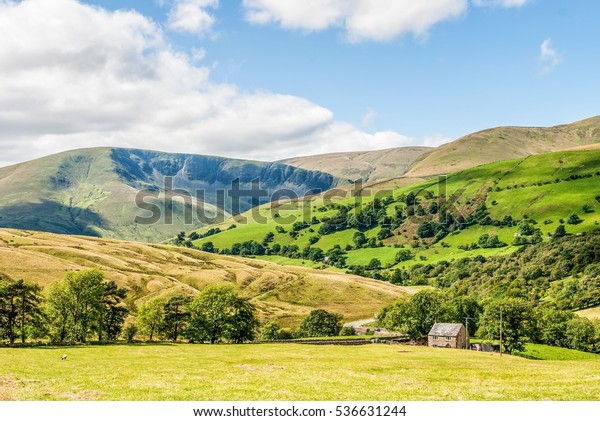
{"x": 288, "y": 372}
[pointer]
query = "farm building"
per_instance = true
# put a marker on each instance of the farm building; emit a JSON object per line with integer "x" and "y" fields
{"x": 448, "y": 335}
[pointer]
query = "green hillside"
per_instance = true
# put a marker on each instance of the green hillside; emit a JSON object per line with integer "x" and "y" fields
{"x": 520, "y": 201}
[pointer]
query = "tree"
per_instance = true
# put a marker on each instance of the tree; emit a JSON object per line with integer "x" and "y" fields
{"x": 208, "y": 247}
{"x": 84, "y": 303}
{"x": 574, "y": 219}
{"x": 359, "y": 239}
{"x": 20, "y": 308}
{"x": 112, "y": 313}
{"x": 321, "y": 323}
{"x": 560, "y": 232}
{"x": 517, "y": 322}
{"x": 270, "y": 331}
{"x": 552, "y": 326}
{"x": 374, "y": 264}
{"x": 218, "y": 314}
{"x": 384, "y": 233}
{"x": 404, "y": 256}
{"x": 150, "y": 317}
{"x": 175, "y": 317}
{"x": 581, "y": 334}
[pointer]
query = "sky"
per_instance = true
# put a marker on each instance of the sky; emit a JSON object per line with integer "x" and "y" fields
{"x": 270, "y": 79}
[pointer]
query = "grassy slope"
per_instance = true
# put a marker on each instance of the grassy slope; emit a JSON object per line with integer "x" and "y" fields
{"x": 288, "y": 372}
{"x": 544, "y": 203}
{"x": 505, "y": 143}
{"x": 286, "y": 294}
{"x": 373, "y": 165}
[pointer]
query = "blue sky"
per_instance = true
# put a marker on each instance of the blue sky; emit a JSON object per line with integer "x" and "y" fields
{"x": 370, "y": 76}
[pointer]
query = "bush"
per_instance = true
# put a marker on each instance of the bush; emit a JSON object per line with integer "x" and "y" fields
{"x": 347, "y": 331}
{"x": 129, "y": 332}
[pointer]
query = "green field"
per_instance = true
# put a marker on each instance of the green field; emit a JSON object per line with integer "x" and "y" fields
{"x": 289, "y": 372}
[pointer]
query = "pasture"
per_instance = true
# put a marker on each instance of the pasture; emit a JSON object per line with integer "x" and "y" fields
{"x": 289, "y": 372}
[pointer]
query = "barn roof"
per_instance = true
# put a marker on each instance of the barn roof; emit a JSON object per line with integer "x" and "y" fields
{"x": 445, "y": 329}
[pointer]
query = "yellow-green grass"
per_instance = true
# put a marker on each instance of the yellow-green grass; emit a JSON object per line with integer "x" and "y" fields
{"x": 288, "y": 372}
{"x": 285, "y": 294}
{"x": 546, "y": 352}
{"x": 590, "y": 313}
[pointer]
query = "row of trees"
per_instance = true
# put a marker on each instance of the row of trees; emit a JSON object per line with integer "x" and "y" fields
{"x": 520, "y": 320}
{"x": 84, "y": 306}
{"x": 80, "y": 306}
{"x": 217, "y": 314}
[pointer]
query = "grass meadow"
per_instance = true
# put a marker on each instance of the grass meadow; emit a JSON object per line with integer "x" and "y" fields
{"x": 291, "y": 372}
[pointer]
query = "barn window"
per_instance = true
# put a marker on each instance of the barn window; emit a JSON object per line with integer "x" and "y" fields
{"x": 448, "y": 338}
{"x": 435, "y": 337}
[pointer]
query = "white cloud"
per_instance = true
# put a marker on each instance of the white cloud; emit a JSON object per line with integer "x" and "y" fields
{"x": 192, "y": 16}
{"x": 549, "y": 56}
{"x": 73, "y": 75}
{"x": 378, "y": 20}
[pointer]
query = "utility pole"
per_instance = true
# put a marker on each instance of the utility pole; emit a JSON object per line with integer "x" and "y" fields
{"x": 500, "y": 331}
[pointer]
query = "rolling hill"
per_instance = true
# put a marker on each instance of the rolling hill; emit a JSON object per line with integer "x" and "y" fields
{"x": 505, "y": 143}
{"x": 368, "y": 166}
{"x": 93, "y": 191}
{"x": 114, "y": 193}
{"x": 544, "y": 191}
{"x": 285, "y": 294}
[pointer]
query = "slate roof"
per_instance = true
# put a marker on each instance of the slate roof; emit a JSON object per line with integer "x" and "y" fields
{"x": 445, "y": 329}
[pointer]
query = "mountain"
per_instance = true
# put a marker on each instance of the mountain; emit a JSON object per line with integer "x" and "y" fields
{"x": 505, "y": 143}
{"x": 284, "y": 294}
{"x": 368, "y": 166}
{"x": 152, "y": 196}
{"x": 94, "y": 191}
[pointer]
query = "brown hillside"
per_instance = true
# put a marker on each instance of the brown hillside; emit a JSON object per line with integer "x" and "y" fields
{"x": 505, "y": 143}
{"x": 286, "y": 294}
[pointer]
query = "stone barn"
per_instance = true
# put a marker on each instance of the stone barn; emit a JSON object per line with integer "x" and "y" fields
{"x": 448, "y": 335}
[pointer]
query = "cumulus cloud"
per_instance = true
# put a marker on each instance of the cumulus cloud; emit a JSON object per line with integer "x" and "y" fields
{"x": 378, "y": 20}
{"x": 73, "y": 75}
{"x": 549, "y": 56}
{"x": 192, "y": 16}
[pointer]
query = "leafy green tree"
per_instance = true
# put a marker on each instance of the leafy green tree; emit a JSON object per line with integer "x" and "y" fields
{"x": 58, "y": 309}
{"x": 581, "y": 334}
{"x": 517, "y": 322}
{"x": 320, "y": 323}
{"x": 384, "y": 233}
{"x": 552, "y": 326}
{"x": 175, "y": 317}
{"x": 208, "y": 247}
{"x": 574, "y": 219}
{"x": 270, "y": 332}
{"x": 359, "y": 239}
{"x": 404, "y": 255}
{"x": 20, "y": 309}
{"x": 112, "y": 312}
{"x": 85, "y": 291}
{"x": 150, "y": 317}
{"x": 374, "y": 264}
{"x": 218, "y": 314}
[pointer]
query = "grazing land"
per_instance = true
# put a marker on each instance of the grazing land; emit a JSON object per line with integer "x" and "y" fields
{"x": 289, "y": 372}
